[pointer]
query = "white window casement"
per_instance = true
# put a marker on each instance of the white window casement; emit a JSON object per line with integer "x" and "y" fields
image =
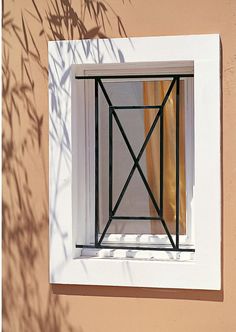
{"x": 100, "y": 101}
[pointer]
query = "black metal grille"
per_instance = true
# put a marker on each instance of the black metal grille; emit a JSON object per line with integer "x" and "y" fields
{"x": 113, "y": 116}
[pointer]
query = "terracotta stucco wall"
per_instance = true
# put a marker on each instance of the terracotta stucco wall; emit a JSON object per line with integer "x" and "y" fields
{"x": 30, "y": 303}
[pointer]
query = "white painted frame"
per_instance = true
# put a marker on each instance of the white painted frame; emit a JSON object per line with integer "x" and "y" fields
{"x": 67, "y": 162}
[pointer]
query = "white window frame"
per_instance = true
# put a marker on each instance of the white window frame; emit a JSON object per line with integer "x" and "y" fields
{"x": 68, "y": 165}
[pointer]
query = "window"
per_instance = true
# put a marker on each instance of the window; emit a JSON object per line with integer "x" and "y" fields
{"x": 182, "y": 250}
{"x": 141, "y": 203}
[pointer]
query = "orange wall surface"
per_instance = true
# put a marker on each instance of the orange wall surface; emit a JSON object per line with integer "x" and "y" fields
{"x": 29, "y": 302}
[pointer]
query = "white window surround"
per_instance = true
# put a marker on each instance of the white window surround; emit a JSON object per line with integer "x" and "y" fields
{"x": 66, "y": 266}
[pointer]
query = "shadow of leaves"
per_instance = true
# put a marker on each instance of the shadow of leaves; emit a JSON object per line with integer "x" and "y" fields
{"x": 28, "y": 301}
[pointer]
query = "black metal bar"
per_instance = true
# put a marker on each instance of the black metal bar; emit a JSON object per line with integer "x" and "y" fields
{"x": 168, "y": 232}
{"x": 110, "y": 162}
{"x": 135, "y": 218}
{"x": 136, "y": 163}
{"x": 128, "y": 107}
{"x": 132, "y": 76}
{"x": 177, "y": 163}
{"x": 105, "y": 93}
{"x": 168, "y": 93}
{"x": 104, "y": 231}
{"x": 161, "y": 162}
{"x": 96, "y": 164}
{"x": 110, "y": 211}
{"x": 135, "y": 248}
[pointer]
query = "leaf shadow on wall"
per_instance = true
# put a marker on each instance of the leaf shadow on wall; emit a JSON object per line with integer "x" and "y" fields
{"x": 29, "y": 303}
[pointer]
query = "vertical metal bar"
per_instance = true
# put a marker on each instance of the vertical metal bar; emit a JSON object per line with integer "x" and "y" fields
{"x": 161, "y": 161}
{"x": 96, "y": 164}
{"x": 177, "y": 162}
{"x": 110, "y": 162}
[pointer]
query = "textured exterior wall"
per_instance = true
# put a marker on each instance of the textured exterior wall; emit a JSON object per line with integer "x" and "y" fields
{"x": 30, "y": 303}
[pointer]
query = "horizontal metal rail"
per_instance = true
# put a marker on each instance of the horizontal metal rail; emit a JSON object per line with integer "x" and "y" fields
{"x": 118, "y": 247}
{"x": 130, "y": 107}
{"x": 135, "y": 218}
